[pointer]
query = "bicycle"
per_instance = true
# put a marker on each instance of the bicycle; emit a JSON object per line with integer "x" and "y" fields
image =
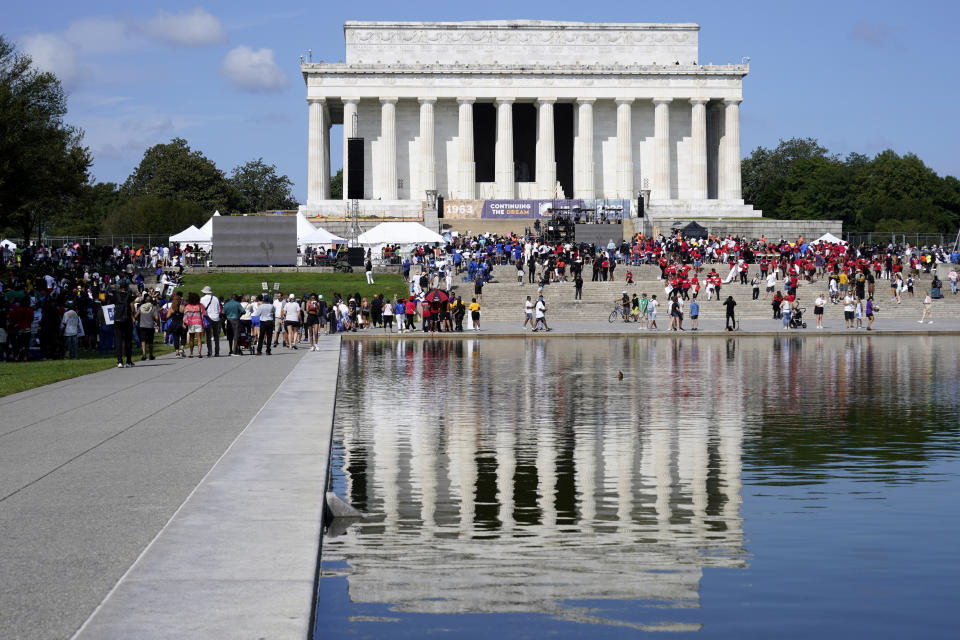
{"x": 619, "y": 312}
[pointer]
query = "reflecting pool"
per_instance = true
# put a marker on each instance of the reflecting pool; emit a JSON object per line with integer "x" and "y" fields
{"x": 749, "y": 487}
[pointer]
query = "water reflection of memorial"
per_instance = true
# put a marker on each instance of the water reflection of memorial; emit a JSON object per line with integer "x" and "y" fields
{"x": 525, "y": 476}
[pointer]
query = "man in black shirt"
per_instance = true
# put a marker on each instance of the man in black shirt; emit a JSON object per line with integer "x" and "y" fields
{"x": 123, "y": 323}
{"x": 730, "y": 322}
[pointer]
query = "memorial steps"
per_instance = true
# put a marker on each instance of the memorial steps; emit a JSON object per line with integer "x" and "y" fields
{"x": 503, "y": 299}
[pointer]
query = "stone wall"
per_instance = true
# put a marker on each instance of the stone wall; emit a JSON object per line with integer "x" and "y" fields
{"x": 767, "y": 227}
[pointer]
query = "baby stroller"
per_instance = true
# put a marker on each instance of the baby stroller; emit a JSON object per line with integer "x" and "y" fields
{"x": 796, "y": 318}
{"x": 244, "y": 341}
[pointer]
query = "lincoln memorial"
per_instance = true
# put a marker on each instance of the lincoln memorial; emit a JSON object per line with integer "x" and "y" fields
{"x": 526, "y": 110}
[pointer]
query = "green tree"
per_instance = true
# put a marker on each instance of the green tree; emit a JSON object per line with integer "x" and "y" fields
{"x": 148, "y": 214}
{"x": 43, "y": 164}
{"x": 336, "y": 186}
{"x": 260, "y": 188}
{"x": 174, "y": 171}
{"x": 764, "y": 171}
{"x": 88, "y": 211}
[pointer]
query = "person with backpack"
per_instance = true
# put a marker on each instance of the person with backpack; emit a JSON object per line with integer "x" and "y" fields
{"x": 123, "y": 323}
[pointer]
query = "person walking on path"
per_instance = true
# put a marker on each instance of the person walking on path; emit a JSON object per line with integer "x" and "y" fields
{"x": 475, "y": 313}
{"x": 927, "y": 309}
{"x": 232, "y": 312}
{"x": 870, "y": 310}
{"x": 211, "y": 307}
{"x": 848, "y": 309}
{"x": 541, "y": 313}
{"x": 818, "y": 306}
{"x": 731, "y": 323}
{"x": 528, "y": 313}
{"x": 265, "y": 311}
{"x": 193, "y": 319}
{"x": 148, "y": 319}
{"x": 291, "y": 321}
{"x": 652, "y": 312}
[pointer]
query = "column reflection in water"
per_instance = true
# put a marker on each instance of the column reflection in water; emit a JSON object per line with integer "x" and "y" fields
{"x": 521, "y": 475}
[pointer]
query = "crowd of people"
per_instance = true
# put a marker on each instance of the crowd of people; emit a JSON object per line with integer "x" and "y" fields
{"x": 55, "y": 301}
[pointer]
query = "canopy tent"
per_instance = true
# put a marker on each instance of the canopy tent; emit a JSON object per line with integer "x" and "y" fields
{"x": 402, "y": 233}
{"x": 207, "y": 227}
{"x": 694, "y": 230}
{"x": 829, "y": 237}
{"x": 191, "y": 235}
{"x": 8, "y": 244}
{"x": 304, "y": 228}
{"x": 320, "y": 236}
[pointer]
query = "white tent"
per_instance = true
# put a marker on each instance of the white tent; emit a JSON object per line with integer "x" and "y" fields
{"x": 7, "y": 244}
{"x": 304, "y": 228}
{"x": 829, "y": 238}
{"x": 320, "y": 236}
{"x": 402, "y": 233}
{"x": 207, "y": 227}
{"x": 191, "y": 235}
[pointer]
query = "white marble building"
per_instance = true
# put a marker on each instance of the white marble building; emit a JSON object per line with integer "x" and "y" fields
{"x": 529, "y": 109}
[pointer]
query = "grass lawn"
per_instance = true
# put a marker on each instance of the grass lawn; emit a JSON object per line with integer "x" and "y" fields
{"x": 20, "y": 376}
{"x": 326, "y": 284}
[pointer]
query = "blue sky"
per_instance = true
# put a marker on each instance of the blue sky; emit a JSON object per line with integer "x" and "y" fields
{"x": 859, "y": 76}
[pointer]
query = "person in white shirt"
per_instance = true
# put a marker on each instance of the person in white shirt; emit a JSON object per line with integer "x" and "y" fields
{"x": 291, "y": 320}
{"x": 771, "y": 284}
{"x": 528, "y": 313}
{"x": 278, "y": 333}
{"x": 652, "y": 312}
{"x": 211, "y": 307}
{"x": 818, "y": 306}
{"x": 848, "y": 303}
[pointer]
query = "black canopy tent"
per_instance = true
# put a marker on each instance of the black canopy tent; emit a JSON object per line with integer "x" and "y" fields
{"x": 694, "y": 230}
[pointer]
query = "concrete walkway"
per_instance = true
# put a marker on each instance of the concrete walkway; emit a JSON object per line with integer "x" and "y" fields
{"x": 92, "y": 468}
{"x": 239, "y": 558}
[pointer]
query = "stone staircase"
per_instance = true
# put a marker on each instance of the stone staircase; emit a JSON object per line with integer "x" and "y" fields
{"x": 503, "y": 299}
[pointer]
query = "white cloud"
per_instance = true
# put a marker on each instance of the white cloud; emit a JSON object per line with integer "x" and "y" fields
{"x": 194, "y": 28}
{"x": 253, "y": 71}
{"x": 64, "y": 52}
{"x": 54, "y": 53}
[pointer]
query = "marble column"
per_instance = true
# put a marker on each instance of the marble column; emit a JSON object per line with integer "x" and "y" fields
{"x": 349, "y": 111}
{"x": 719, "y": 117}
{"x": 624, "y": 148}
{"x": 317, "y": 161}
{"x": 388, "y": 148}
{"x": 466, "y": 166}
{"x": 428, "y": 160}
{"x": 661, "y": 149}
{"x": 584, "y": 176}
{"x": 731, "y": 149}
{"x": 504, "y": 150}
{"x": 698, "y": 160}
{"x": 546, "y": 154}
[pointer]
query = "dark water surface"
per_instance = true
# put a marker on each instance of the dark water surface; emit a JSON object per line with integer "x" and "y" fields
{"x": 751, "y": 487}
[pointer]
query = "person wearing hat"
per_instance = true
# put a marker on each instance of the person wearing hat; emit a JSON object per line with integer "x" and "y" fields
{"x": 147, "y": 318}
{"x": 211, "y": 308}
{"x": 291, "y": 320}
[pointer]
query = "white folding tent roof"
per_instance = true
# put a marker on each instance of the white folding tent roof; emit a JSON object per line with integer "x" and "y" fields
{"x": 399, "y": 233}
{"x": 207, "y": 227}
{"x": 320, "y": 236}
{"x": 829, "y": 237}
{"x": 304, "y": 228}
{"x": 191, "y": 235}
{"x": 8, "y": 244}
